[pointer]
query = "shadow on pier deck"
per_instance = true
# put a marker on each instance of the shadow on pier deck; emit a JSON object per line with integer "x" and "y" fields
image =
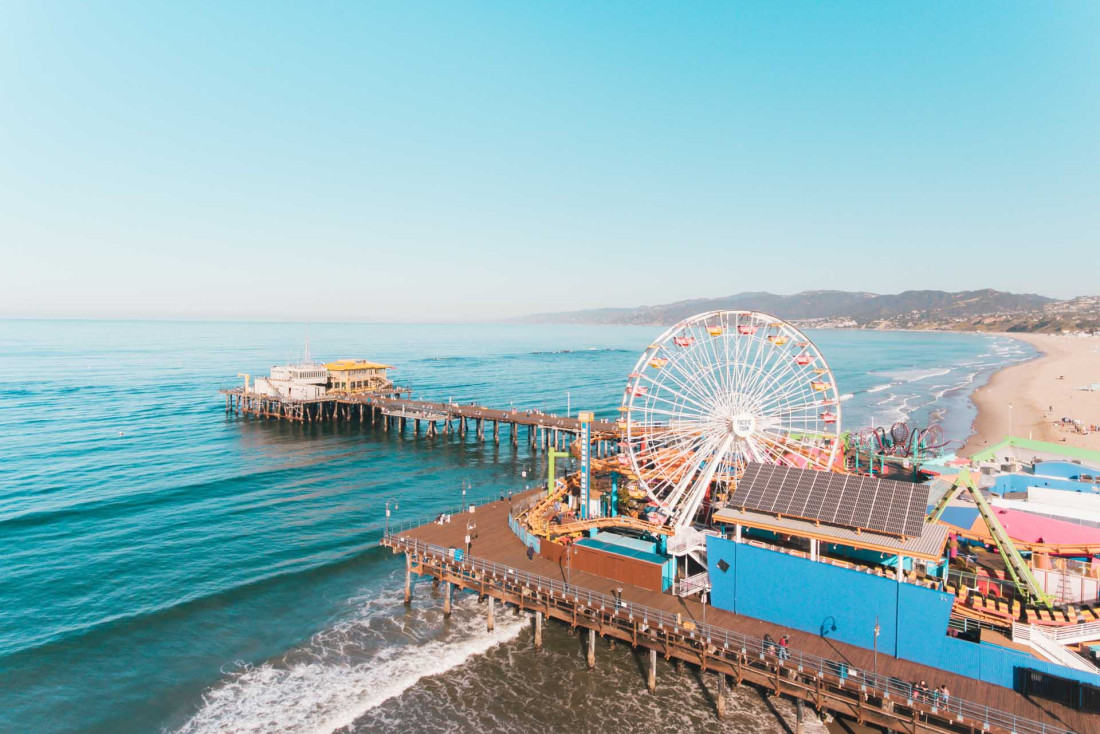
{"x": 829, "y": 675}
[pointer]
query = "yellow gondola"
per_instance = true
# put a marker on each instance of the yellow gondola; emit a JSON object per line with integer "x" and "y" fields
{"x": 714, "y": 330}
{"x": 658, "y": 362}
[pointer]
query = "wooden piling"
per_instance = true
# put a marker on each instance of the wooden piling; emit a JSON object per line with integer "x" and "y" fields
{"x": 489, "y": 616}
{"x": 408, "y": 578}
{"x": 591, "y": 649}
{"x": 446, "y": 598}
{"x": 651, "y": 682}
{"x": 720, "y": 697}
{"x": 538, "y": 630}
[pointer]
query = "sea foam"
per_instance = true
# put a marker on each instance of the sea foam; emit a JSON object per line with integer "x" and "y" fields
{"x": 323, "y": 688}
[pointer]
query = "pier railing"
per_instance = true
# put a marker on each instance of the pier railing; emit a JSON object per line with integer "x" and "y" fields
{"x": 448, "y": 513}
{"x": 728, "y": 643}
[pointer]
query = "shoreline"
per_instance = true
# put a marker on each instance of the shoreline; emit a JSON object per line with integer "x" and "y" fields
{"x": 1040, "y": 391}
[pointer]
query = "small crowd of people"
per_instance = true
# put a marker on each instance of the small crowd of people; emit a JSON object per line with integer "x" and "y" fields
{"x": 919, "y": 690}
{"x": 933, "y": 696}
{"x": 780, "y": 649}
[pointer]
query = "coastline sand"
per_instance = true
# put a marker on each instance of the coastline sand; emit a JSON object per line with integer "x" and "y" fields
{"x": 1041, "y": 392}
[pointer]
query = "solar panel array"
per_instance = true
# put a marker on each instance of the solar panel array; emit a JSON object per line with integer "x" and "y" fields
{"x": 879, "y": 505}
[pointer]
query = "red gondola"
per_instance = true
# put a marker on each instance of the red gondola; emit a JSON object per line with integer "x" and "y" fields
{"x": 803, "y": 359}
{"x": 683, "y": 341}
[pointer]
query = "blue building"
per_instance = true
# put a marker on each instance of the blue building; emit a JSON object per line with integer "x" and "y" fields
{"x": 845, "y": 582}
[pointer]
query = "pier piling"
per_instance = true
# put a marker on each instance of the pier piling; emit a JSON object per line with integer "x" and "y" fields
{"x": 408, "y": 578}
{"x": 720, "y": 697}
{"x": 489, "y": 616}
{"x": 651, "y": 682}
{"x": 538, "y": 630}
{"x": 591, "y": 649}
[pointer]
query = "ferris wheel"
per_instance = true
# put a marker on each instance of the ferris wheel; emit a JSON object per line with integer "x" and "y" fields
{"x": 719, "y": 390}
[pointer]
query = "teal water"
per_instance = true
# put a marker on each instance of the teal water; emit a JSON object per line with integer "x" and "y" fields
{"x": 166, "y": 568}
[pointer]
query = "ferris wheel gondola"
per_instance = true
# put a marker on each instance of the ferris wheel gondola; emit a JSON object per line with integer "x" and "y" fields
{"x": 717, "y": 391}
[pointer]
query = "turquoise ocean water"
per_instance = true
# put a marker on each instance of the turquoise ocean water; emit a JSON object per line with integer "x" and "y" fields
{"x": 166, "y": 568}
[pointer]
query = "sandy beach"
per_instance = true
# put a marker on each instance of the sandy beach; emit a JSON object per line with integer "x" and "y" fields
{"x": 1041, "y": 392}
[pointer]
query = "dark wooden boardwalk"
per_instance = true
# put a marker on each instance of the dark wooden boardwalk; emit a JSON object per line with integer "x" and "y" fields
{"x": 336, "y": 406}
{"x": 495, "y": 543}
{"x": 483, "y": 413}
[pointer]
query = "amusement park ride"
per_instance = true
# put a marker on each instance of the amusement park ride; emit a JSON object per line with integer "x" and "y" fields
{"x": 717, "y": 391}
{"x": 712, "y": 394}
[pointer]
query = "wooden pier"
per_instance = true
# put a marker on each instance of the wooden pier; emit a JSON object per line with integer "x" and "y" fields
{"x": 393, "y": 412}
{"x": 828, "y": 675}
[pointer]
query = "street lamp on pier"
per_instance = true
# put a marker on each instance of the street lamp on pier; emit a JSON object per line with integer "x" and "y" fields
{"x": 877, "y": 631}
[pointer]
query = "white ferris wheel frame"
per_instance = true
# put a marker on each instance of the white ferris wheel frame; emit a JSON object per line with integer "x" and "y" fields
{"x": 709, "y": 410}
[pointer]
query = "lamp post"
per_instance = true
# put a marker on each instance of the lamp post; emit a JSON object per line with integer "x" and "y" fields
{"x": 877, "y": 631}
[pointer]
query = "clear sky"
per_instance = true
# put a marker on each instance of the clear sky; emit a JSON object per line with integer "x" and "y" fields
{"x": 441, "y": 161}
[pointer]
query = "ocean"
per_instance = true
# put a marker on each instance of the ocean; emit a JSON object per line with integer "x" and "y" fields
{"x": 166, "y": 568}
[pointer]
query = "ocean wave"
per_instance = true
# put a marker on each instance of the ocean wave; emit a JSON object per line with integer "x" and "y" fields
{"x": 846, "y": 396}
{"x": 328, "y": 685}
{"x": 880, "y": 388}
{"x": 367, "y": 552}
{"x": 915, "y": 375}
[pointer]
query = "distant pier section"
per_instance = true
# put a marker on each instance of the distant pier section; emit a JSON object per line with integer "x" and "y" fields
{"x": 356, "y": 390}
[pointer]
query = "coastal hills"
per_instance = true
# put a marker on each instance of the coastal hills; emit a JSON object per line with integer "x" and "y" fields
{"x": 981, "y": 310}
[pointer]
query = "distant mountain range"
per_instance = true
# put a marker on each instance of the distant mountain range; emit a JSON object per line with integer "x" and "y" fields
{"x": 982, "y": 310}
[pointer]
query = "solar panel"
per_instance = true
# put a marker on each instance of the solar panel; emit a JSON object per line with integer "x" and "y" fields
{"x": 818, "y": 494}
{"x": 865, "y": 504}
{"x": 757, "y": 489}
{"x": 803, "y": 484}
{"x": 878, "y": 505}
{"x": 834, "y": 509}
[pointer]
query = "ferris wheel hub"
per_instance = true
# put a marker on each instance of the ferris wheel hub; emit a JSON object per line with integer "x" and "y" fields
{"x": 742, "y": 425}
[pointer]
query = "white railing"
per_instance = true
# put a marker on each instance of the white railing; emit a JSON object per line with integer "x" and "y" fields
{"x": 1075, "y": 633}
{"x": 692, "y": 584}
{"x": 1040, "y": 640}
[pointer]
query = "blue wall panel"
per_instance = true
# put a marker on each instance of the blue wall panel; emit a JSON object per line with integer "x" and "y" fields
{"x": 1021, "y": 482}
{"x": 1064, "y": 469}
{"x": 808, "y": 596}
{"x": 793, "y": 592}
{"x": 922, "y": 613}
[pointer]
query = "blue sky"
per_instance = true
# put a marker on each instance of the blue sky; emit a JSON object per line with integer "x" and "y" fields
{"x": 442, "y": 161}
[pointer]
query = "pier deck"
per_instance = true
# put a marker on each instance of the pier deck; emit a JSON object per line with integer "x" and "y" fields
{"x": 542, "y": 428}
{"x": 498, "y": 566}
